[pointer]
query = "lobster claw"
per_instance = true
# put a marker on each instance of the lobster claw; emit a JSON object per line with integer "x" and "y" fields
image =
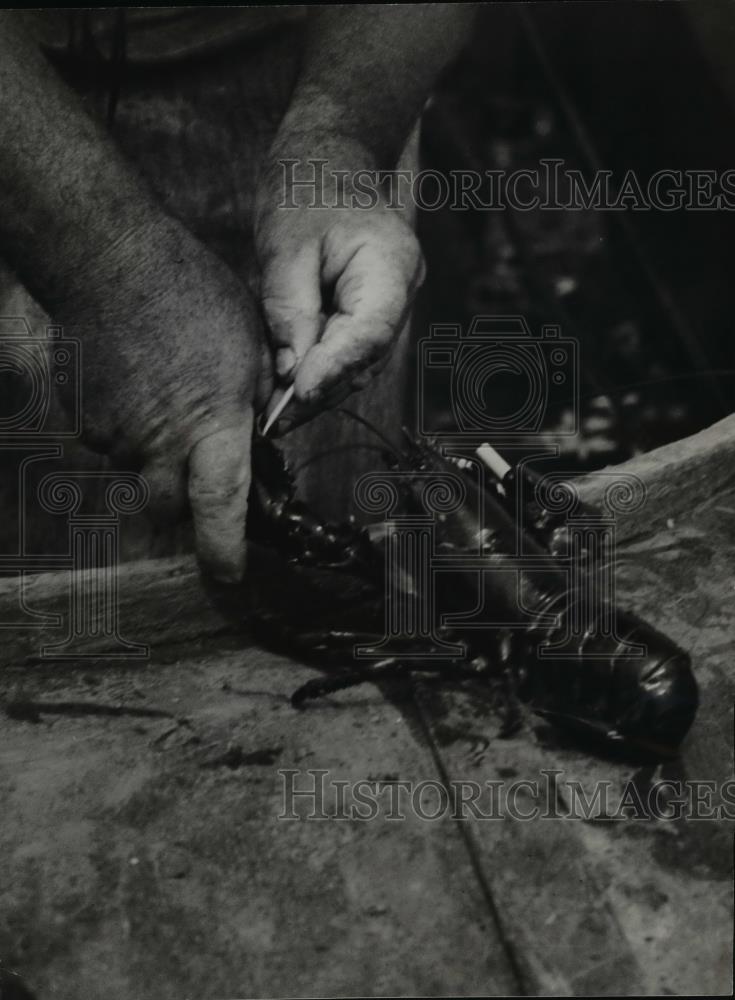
{"x": 277, "y": 518}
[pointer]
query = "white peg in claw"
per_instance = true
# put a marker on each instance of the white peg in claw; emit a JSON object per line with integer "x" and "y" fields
{"x": 278, "y": 410}
{"x": 495, "y": 462}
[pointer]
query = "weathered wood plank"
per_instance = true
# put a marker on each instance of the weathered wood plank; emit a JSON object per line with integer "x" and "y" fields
{"x": 666, "y": 876}
{"x": 553, "y": 911}
{"x": 138, "y": 859}
{"x": 160, "y": 601}
{"x": 640, "y": 885}
{"x": 552, "y": 906}
{"x": 677, "y": 478}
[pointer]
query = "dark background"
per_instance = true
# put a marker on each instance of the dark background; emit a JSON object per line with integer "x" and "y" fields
{"x": 648, "y": 295}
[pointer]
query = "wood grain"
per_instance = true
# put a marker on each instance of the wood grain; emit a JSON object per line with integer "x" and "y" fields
{"x": 174, "y": 877}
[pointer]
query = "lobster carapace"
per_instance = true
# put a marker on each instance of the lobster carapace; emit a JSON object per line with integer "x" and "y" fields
{"x": 583, "y": 664}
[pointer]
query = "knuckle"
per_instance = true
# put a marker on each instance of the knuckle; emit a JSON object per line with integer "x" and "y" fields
{"x": 208, "y": 495}
{"x": 281, "y": 314}
{"x": 275, "y": 303}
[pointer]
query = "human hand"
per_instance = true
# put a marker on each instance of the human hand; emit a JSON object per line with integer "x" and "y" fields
{"x": 337, "y": 285}
{"x": 172, "y": 363}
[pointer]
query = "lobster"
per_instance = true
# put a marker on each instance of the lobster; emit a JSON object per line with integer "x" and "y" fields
{"x": 630, "y": 688}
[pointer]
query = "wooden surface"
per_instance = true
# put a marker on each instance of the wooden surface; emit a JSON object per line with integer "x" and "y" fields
{"x": 142, "y": 854}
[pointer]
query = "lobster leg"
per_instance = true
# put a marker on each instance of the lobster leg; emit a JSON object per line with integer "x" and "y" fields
{"x": 328, "y": 645}
{"x": 318, "y": 687}
{"x": 388, "y": 669}
{"x": 336, "y": 645}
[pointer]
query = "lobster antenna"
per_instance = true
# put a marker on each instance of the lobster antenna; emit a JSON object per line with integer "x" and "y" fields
{"x": 319, "y": 455}
{"x": 371, "y": 427}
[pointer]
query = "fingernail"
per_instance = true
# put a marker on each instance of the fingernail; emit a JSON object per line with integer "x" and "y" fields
{"x": 285, "y": 362}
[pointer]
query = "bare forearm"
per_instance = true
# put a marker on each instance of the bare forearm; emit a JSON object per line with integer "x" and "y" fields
{"x": 368, "y": 69}
{"x": 68, "y": 202}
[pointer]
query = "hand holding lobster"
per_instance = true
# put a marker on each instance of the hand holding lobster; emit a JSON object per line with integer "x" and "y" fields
{"x": 173, "y": 364}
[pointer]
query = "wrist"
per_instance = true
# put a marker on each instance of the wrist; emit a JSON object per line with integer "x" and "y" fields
{"x": 125, "y": 254}
{"x": 70, "y": 241}
{"x": 71, "y": 209}
{"x": 316, "y": 126}
{"x": 115, "y": 249}
{"x": 312, "y": 166}
{"x": 145, "y": 263}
